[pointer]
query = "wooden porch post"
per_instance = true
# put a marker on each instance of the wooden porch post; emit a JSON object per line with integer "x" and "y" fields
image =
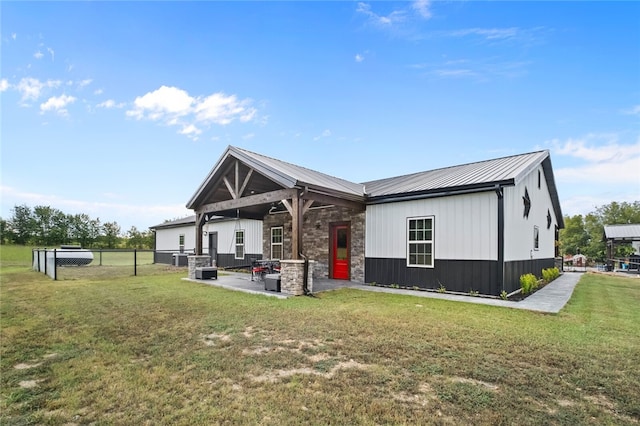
{"x": 199, "y": 226}
{"x": 296, "y": 227}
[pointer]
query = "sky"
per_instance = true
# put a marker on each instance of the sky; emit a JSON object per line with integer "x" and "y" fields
{"x": 120, "y": 109}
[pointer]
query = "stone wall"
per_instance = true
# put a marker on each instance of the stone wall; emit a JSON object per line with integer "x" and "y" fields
{"x": 315, "y": 244}
{"x": 292, "y": 277}
{"x": 197, "y": 262}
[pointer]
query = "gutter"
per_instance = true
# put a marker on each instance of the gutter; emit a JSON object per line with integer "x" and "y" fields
{"x": 437, "y": 194}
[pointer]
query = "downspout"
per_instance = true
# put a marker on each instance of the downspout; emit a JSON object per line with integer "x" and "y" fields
{"x": 305, "y": 276}
{"x": 500, "y": 194}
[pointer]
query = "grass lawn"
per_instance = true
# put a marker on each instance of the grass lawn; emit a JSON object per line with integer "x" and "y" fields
{"x": 159, "y": 350}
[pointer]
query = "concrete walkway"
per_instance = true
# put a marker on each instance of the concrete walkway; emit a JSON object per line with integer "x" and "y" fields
{"x": 550, "y": 299}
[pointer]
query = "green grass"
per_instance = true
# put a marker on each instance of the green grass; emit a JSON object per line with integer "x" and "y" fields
{"x": 159, "y": 350}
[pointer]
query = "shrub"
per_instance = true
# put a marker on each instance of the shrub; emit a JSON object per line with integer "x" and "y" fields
{"x": 503, "y": 295}
{"x": 528, "y": 283}
{"x": 442, "y": 289}
{"x": 550, "y": 274}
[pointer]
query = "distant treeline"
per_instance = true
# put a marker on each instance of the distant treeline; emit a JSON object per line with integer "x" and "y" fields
{"x": 48, "y": 227}
{"x": 585, "y": 234}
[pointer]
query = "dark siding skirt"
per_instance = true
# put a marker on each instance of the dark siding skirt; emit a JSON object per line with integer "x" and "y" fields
{"x": 454, "y": 275}
{"x": 229, "y": 260}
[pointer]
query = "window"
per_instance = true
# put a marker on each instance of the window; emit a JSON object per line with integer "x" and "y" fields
{"x": 536, "y": 238}
{"x": 420, "y": 242}
{"x": 181, "y": 243}
{"x": 239, "y": 244}
{"x": 539, "y": 179}
{"x": 276, "y": 243}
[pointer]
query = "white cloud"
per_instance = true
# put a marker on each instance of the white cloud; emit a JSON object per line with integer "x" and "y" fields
{"x": 325, "y": 134}
{"x": 359, "y": 57}
{"x": 487, "y": 33}
{"x": 635, "y": 110}
{"x": 38, "y": 55}
{"x": 51, "y": 52}
{"x": 84, "y": 83}
{"x": 98, "y": 92}
{"x": 190, "y": 131}
{"x": 4, "y": 85}
{"x": 390, "y": 19}
{"x": 14, "y": 36}
{"x": 57, "y": 104}
{"x": 175, "y": 107}
{"x": 422, "y": 7}
{"x": 157, "y": 105}
{"x": 601, "y": 160}
{"x": 31, "y": 88}
{"x": 110, "y": 103}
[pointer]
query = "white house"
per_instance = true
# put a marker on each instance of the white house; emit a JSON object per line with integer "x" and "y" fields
{"x": 229, "y": 241}
{"x": 475, "y": 226}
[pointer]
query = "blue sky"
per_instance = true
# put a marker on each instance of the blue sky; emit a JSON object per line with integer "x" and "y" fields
{"x": 119, "y": 109}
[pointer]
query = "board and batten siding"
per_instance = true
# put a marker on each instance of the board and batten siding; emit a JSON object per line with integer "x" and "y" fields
{"x": 226, "y": 235}
{"x": 465, "y": 227}
{"x": 169, "y": 238}
{"x": 519, "y": 230}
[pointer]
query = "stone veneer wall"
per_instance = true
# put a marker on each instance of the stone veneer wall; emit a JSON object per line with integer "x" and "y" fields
{"x": 315, "y": 243}
{"x": 292, "y": 277}
{"x": 197, "y": 262}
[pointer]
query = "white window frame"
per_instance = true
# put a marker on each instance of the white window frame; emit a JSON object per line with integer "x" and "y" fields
{"x": 237, "y": 244}
{"x": 536, "y": 238}
{"x": 430, "y": 242}
{"x": 181, "y": 243}
{"x": 281, "y": 229}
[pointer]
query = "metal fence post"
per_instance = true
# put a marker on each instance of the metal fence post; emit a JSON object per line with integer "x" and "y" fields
{"x": 135, "y": 262}
{"x": 55, "y": 264}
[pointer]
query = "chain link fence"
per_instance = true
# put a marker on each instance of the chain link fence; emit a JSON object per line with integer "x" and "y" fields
{"x": 75, "y": 263}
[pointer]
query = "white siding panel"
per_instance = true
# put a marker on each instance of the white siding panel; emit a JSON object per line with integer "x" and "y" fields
{"x": 519, "y": 230}
{"x": 226, "y": 235}
{"x": 465, "y": 226}
{"x": 169, "y": 239}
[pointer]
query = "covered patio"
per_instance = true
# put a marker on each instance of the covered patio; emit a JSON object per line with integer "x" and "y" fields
{"x": 306, "y": 206}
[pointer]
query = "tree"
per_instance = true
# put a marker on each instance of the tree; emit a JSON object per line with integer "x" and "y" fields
{"x": 111, "y": 232}
{"x": 23, "y": 224}
{"x": 6, "y": 233}
{"x": 587, "y": 234}
{"x": 573, "y": 237}
{"x": 79, "y": 228}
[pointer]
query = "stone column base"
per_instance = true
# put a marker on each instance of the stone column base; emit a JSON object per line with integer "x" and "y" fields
{"x": 197, "y": 262}
{"x": 292, "y": 277}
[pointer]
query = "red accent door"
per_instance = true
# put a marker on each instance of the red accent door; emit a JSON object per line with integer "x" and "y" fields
{"x": 340, "y": 252}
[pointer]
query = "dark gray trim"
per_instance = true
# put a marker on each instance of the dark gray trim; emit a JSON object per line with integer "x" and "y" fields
{"x": 437, "y": 193}
{"x": 454, "y": 275}
{"x": 500, "y": 277}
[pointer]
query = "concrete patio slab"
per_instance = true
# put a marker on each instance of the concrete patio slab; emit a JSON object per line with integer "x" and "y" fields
{"x": 549, "y": 299}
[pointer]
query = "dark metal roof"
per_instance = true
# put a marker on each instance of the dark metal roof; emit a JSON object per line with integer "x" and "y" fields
{"x": 185, "y": 221}
{"x": 301, "y": 176}
{"x": 175, "y": 223}
{"x": 507, "y": 170}
{"x": 276, "y": 174}
{"x": 629, "y": 232}
{"x": 478, "y": 176}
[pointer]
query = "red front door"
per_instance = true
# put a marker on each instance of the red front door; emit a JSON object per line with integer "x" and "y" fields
{"x": 340, "y": 252}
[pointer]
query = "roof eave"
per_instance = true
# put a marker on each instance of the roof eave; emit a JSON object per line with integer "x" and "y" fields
{"x": 440, "y": 192}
